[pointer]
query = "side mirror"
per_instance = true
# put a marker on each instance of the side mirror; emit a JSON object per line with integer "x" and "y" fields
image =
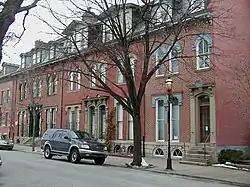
{"x": 66, "y": 137}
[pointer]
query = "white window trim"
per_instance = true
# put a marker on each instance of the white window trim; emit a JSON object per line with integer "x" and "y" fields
{"x": 197, "y": 56}
{"x": 130, "y": 119}
{"x": 157, "y": 61}
{"x": 119, "y": 130}
{"x": 171, "y": 125}
{"x": 156, "y": 122}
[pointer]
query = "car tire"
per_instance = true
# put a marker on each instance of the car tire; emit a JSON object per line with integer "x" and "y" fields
{"x": 47, "y": 152}
{"x": 74, "y": 156}
{"x": 99, "y": 161}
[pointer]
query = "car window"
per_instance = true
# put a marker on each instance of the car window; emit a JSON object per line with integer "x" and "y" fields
{"x": 3, "y": 137}
{"x": 49, "y": 133}
{"x": 65, "y": 133}
{"x": 57, "y": 134}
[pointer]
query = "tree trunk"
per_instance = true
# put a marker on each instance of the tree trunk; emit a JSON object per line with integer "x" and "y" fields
{"x": 137, "y": 138}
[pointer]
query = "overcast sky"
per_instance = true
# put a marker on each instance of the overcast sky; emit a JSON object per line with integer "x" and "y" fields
{"x": 36, "y": 29}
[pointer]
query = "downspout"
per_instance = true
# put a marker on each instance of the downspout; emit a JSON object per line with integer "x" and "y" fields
{"x": 61, "y": 102}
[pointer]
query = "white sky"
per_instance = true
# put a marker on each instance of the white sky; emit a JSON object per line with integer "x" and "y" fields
{"x": 35, "y": 29}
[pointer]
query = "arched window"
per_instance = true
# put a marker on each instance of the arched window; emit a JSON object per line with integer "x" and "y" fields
{"x": 74, "y": 81}
{"x": 203, "y": 45}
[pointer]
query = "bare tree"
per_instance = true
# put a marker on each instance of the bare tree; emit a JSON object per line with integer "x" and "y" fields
{"x": 113, "y": 39}
{"x": 8, "y": 11}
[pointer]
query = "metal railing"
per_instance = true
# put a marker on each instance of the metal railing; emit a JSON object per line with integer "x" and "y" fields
{"x": 205, "y": 147}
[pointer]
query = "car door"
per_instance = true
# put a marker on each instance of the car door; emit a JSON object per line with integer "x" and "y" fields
{"x": 65, "y": 142}
{"x": 55, "y": 142}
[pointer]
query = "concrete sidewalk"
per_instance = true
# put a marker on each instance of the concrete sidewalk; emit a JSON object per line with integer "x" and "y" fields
{"x": 222, "y": 175}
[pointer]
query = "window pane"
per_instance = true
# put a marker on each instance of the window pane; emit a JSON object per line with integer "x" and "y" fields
{"x": 160, "y": 130}
{"x": 160, "y": 109}
{"x": 175, "y": 122}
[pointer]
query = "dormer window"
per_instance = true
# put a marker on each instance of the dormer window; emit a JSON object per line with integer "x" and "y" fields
{"x": 163, "y": 11}
{"x": 34, "y": 57}
{"x": 23, "y": 61}
{"x": 38, "y": 57}
{"x": 197, "y": 5}
{"x": 52, "y": 52}
{"x": 128, "y": 21}
{"x": 107, "y": 34}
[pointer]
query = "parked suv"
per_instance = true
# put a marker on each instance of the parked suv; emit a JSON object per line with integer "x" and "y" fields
{"x": 76, "y": 145}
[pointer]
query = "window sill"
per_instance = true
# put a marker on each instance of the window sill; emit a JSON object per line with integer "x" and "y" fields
{"x": 53, "y": 94}
{"x": 122, "y": 83}
{"x": 72, "y": 91}
{"x": 203, "y": 69}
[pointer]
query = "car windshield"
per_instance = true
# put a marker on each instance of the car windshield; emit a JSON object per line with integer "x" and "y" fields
{"x": 3, "y": 137}
{"x": 80, "y": 135}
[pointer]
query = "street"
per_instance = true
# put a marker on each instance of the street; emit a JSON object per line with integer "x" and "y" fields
{"x": 25, "y": 169}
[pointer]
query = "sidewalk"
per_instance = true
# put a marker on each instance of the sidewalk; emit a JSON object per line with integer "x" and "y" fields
{"x": 222, "y": 175}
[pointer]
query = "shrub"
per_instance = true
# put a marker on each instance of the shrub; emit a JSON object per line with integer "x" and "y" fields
{"x": 111, "y": 129}
{"x": 229, "y": 155}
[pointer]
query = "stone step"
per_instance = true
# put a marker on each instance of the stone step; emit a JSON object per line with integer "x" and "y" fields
{"x": 198, "y": 151}
{"x": 191, "y": 155}
{"x": 192, "y": 163}
{"x": 245, "y": 162}
{"x": 202, "y": 148}
{"x": 203, "y": 160}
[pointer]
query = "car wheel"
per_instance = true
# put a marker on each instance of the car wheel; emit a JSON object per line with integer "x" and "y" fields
{"x": 99, "y": 161}
{"x": 74, "y": 156}
{"x": 47, "y": 153}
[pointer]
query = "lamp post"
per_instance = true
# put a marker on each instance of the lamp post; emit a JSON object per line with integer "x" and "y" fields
{"x": 169, "y": 84}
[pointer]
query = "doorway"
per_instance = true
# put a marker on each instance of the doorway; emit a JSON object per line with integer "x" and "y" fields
{"x": 102, "y": 122}
{"x": 204, "y": 118}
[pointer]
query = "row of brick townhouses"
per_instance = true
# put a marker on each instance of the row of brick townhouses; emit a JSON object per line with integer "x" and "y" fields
{"x": 202, "y": 113}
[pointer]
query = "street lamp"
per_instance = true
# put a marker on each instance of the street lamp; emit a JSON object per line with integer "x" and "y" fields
{"x": 169, "y": 85}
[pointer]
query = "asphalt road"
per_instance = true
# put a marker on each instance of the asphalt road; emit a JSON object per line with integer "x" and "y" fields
{"x": 25, "y": 169}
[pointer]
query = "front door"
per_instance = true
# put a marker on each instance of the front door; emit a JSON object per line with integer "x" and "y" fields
{"x": 204, "y": 120}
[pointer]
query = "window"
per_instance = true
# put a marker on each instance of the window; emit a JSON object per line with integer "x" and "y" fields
{"x": 34, "y": 57}
{"x": 93, "y": 78}
{"x": 21, "y": 92}
{"x": 119, "y": 114}
{"x": 2, "y": 97}
{"x": 103, "y": 72}
{"x": 6, "y": 118}
{"x": 51, "y": 118}
{"x": 120, "y": 78}
{"x": 128, "y": 21}
{"x": 73, "y": 117}
{"x": 75, "y": 81}
{"x": 52, "y": 52}
{"x": 133, "y": 64}
{"x": 203, "y": 54}
{"x": 37, "y": 87}
{"x": 130, "y": 127}
{"x": 23, "y": 65}
{"x": 160, "y": 120}
{"x": 85, "y": 37}
{"x": 197, "y": 5}
{"x": 175, "y": 134}
{"x": 8, "y": 99}
{"x": 107, "y": 34}
{"x": 159, "y": 55}
{"x": 163, "y": 12}
{"x": 174, "y": 61}
{"x": 25, "y": 91}
{"x": 52, "y": 84}
{"x": 38, "y": 57}
{"x": 44, "y": 55}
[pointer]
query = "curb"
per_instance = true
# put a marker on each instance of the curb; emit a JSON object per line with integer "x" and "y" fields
{"x": 201, "y": 178}
{"x": 24, "y": 151}
{"x": 184, "y": 175}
